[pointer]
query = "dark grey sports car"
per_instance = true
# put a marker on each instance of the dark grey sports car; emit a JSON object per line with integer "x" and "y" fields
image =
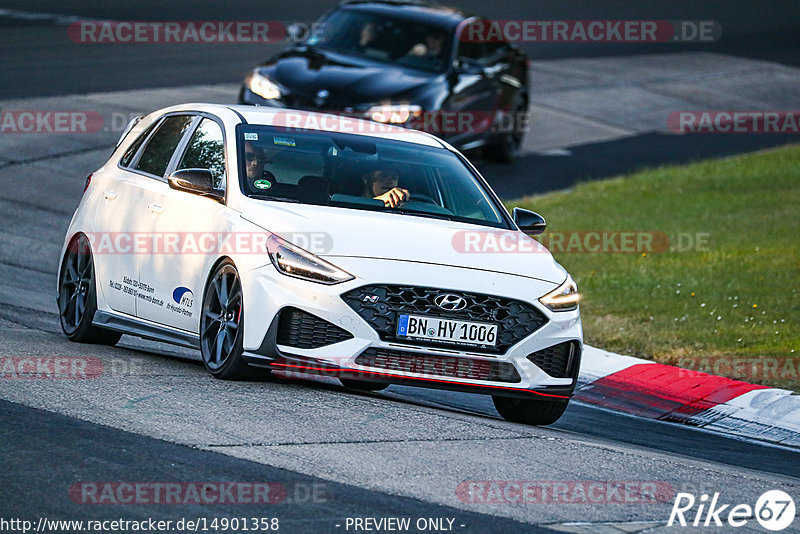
{"x": 407, "y": 64}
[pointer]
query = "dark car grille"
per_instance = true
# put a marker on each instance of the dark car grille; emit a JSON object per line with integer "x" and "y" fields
{"x": 297, "y": 328}
{"x": 299, "y": 101}
{"x": 558, "y": 361}
{"x": 445, "y": 366}
{"x": 381, "y": 305}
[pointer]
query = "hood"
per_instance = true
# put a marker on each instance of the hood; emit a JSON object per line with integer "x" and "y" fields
{"x": 349, "y": 81}
{"x": 332, "y": 232}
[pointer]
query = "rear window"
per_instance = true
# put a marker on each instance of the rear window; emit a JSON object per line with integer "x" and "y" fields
{"x": 158, "y": 152}
{"x": 134, "y": 148}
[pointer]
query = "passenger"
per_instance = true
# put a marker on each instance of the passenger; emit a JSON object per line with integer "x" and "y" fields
{"x": 431, "y": 49}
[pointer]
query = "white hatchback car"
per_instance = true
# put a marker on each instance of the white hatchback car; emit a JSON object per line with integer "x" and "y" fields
{"x": 280, "y": 240}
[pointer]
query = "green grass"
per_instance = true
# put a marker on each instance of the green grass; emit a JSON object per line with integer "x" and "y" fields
{"x": 737, "y": 298}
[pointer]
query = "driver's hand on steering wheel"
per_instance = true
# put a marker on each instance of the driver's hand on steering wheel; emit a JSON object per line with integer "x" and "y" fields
{"x": 394, "y": 197}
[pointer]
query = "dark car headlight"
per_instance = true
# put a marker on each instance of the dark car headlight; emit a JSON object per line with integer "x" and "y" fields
{"x": 262, "y": 86}
{"x": 394, "y": 113}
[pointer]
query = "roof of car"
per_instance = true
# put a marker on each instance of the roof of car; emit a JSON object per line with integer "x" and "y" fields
{"x": 309, "y": 120}
{"x": 423, "y": 12}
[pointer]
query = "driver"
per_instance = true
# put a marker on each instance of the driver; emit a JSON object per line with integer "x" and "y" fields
{"x": 369, "y": 35}
{"x": 255, "y": 162}
{"x": 381, "y": 184}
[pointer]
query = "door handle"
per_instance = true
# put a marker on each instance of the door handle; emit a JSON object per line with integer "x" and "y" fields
{"x": 155, "y": 208}
{"x": 110, "y": 195}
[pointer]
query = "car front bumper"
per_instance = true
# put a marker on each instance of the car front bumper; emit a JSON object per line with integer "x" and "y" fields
{"x": 364, "y": 355}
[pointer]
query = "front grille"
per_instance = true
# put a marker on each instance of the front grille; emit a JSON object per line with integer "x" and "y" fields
{"x": 558, "y": 361}
{"x": 444, "y": 366}
{"x": 300, "y": 329}
{"x": 308, "y": 102}
{"x": 381, "y": 305}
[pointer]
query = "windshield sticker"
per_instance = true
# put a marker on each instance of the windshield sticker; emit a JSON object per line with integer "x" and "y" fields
{"x": 283, "y": 141}
{"x": 262, "y": 184}
{"x": 250, "y": 136}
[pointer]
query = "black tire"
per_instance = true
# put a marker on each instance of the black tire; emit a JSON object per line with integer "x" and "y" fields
{"x": 530, "y": 411}
{"x": 363, "y": 385}
{"x": 222, "y": 327}
{"x": 77, "y": 296}
{"x": 506, "y": 145}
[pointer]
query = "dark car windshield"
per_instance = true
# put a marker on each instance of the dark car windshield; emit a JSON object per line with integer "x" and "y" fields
{"x": 390, "y": 40}
{"x": 353, "y": 171}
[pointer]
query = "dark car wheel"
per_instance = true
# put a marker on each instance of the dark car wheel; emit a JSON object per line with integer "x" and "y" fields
{"x": 77, "y": 296}
{"x": 222, "y": 326}
{"x": 506, "y": 145}
{"x": 530, "y": 411}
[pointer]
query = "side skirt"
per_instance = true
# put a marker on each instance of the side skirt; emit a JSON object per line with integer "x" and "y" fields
{"x": 145, "y": 329}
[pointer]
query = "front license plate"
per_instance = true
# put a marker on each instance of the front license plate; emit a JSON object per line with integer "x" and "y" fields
{"x": 446, "y": 330}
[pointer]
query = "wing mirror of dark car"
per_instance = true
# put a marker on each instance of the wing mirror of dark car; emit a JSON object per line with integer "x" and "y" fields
{"x": 529, "y": 222}
{"x": 196, "y": 181}
{"x": 470, "y": 66}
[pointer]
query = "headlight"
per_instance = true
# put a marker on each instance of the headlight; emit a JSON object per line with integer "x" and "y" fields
{"x": 263, "y": 87}
{"x": 296, "y": 262}
{"x": 563, "y": 298}
{"x": 394, "y": 113}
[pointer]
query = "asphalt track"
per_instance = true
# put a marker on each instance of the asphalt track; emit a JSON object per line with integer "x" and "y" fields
{"x": 155, "y": 415}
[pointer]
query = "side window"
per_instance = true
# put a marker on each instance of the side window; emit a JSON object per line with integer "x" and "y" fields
{"x": 206, "y": 151}
{"x": 159, "y": 149}
{"x": 470, "y": 50}
{"x": 134, "y": 148}
{"x": 474, "y": 49}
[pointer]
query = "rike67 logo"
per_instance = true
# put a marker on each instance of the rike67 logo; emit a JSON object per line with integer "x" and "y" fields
{"x": 774, "y": 510}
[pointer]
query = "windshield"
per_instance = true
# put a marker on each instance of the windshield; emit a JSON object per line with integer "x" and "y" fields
{"x": 384, "y": 39}
{"x": 360, "y": 172}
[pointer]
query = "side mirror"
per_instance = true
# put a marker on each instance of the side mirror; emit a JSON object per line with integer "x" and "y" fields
{"x": 529, "y": 222}
{"x": 196, "y": 181}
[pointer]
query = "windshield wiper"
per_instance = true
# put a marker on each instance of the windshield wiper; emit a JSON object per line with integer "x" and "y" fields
{"x": 277, "y": 199}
